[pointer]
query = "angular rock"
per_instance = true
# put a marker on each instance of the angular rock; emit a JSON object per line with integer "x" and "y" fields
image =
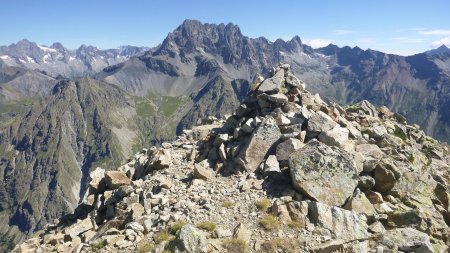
{"x": 377, "y": 131}
{"x": 323, "y": 173}
{"x": 222, "y": 233}
{"x": 261, "y": 141}
{"x": 162, "y": 160}
{"x": 257, "y": 80}
{"x": 271, "y": 165}
{"x": 295, "y": 82}
{"x": 137, "y": 210}
{"x": 97, "y": 179}
{"x": 363, "y": 107}
{"x": 115, "y": 179}
{"x": 79, "y": 227}
{"x": 135, "y": 226}
{"x": 273, "y": 84}
{"x": 377, "y": 227}
{"x": 242, "y": 233}
{"x": 386, "y": 175}
{"x": 278, "y": 98}
{"x": 408, "y": 240}
{"x": 366, "y": 183}
{"x": 370, "y": 150}
{"x": 335, "y": 137}
{"x": 345, "y": 225}
{"x": 319, "y": 122}
{"x": 360, "y": 204}
{"x": 286, "y": 148}
{"x": 192, "y": 240}
{"x": 201, "y": 172}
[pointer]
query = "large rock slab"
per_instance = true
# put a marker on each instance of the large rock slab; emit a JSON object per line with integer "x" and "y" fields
{"x": 323, "y": 173}
{"x": 273, "y": 84}
{"x": 260, "y": 142}
{"x": 115, "y": 179}
{"x": 345, "y": 225}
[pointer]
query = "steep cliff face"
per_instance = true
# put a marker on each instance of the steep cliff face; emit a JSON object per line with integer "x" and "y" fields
{"x": 47, "y": 151}
{"x": 18, "y": 84}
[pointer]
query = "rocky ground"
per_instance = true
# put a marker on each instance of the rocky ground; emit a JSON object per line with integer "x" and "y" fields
{"x": 286, "y": 173}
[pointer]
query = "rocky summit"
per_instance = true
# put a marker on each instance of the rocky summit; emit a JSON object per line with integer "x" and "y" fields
{"x": 287, "y": 172}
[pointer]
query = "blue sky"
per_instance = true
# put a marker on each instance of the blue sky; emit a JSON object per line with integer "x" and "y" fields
{"x": 401, "y": 27}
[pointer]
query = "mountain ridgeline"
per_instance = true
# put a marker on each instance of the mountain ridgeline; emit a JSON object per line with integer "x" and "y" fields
{"x": 58, "y": 60}
{"x": 56, "y": 126}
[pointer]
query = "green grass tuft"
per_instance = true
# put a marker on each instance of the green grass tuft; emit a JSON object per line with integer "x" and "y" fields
{"x": 207, "y": 225}
{"x": 235, "y": 246}
{"x": 269, "y": 222}
{"x": 263, "y": 204}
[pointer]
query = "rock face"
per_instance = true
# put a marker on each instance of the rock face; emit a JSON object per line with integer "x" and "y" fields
{"x": 278, "y": 182}
{"x": 318, "y": 170}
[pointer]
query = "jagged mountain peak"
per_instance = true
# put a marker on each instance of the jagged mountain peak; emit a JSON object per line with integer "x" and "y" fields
{"x": 58, "y": 60}
{"x": 443, "y": 49}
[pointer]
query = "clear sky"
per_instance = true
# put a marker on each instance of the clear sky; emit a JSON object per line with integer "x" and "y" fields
{"x": 394, "y": 26}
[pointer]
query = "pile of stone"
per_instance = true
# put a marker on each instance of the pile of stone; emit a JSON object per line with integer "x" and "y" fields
{"x": 335, "y": 179}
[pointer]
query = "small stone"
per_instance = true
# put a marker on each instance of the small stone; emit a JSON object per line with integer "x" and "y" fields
{"x": 271, "y": 165}
{"x": 201, "y": 172}
{"x": 137, "y": 210}
{"x": 293, "y": 81}
{"x": 360, "y": 204}
{"x": 242, "y": 233}
{"x": 377, "y": 227}
{"x": 319, "y": 122}
{"x": 97, "y": 179}
{"x": 374, "y": 197}
{"x": 337, "y": 136}
{"x": 79, "y": 227}
{"x": 286, "y": 148}
{"x": 278, "y": 98}
{"x": 135, "y": 226}
{"x": 386, "y": 175}
{"x": 222, "y": 233}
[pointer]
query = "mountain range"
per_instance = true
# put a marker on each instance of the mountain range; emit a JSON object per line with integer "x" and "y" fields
{"x": 58, "y": 60}
{"x": 56, "y": 124}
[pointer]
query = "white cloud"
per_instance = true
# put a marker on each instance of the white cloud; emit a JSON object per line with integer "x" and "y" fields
{"x": 408, "y": 40}
{"x": 443, "y": 41}
{"x": 343, "y": 32}
{"x": 317, "y": 43}
{"x": 435, "y": 32}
